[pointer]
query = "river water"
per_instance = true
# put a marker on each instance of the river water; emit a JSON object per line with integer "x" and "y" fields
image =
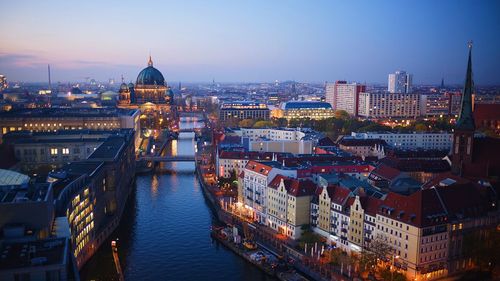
{"x": 164, "y": 231}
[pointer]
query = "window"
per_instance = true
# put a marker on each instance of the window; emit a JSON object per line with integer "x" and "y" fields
{"x": 65, "y": 151}
{"x": 53, "y": 151}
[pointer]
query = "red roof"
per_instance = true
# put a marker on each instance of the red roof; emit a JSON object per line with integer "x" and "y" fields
{"x": 338, "y": 194}
{"x": 422, "y": 208}
{"x": 258, "y": 167}
{"x": 293, "y": 186}
{"x": 386, "y": 172}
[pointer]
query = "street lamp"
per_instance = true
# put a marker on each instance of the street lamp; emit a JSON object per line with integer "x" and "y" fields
{"x": 392, "y": 271}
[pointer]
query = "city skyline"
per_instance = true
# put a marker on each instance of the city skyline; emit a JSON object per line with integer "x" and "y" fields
{"x": 253, "y": 42}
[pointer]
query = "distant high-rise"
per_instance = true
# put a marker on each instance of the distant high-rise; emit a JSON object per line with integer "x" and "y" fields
{"x": 344, "y": 96}
{"x": 50, "y": 82}
{"x": 400, "y": 82}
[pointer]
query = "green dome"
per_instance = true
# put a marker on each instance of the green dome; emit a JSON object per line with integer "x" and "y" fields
{"x": 150, "y": 76}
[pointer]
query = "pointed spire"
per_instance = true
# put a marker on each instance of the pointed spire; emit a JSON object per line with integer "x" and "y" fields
{"x": 123, "y": 80}
{"x": 466, "y": 120}
{"x": 150, "y": 61}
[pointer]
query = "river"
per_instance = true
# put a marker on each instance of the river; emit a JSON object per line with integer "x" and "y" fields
{"x": 164, "y": 231}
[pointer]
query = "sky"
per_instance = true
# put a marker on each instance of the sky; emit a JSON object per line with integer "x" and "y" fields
{"x": 250, "y": 41}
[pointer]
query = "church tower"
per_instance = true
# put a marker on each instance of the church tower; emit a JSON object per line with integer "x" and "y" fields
{"x": 463, "y": 136}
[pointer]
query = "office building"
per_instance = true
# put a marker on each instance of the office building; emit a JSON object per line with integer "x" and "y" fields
{"x": 387, "y": 105}
{"x": 400, "y": 82}
{"x": 315, "y": 110}
{"x": 55, "y": 119}
{"x": 243, "y": 110}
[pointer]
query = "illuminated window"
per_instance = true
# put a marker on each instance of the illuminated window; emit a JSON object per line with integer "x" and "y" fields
{"x": 53, "y": 151}
{"x": 65, "y": 151}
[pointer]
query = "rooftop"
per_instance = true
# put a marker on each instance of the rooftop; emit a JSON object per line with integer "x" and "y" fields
{"x": 36, "y": 253}
{"x": 109, "y": 149}
{"x": 67, "y": 112}
{"x": 306, "y": 105}
{"x": 9, "y": 178}
{"x": 33, "y": 192}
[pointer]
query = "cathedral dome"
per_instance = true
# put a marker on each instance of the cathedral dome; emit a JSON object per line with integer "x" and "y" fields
{"x": 124, "y": 87}
{"x": 150, "y": 76}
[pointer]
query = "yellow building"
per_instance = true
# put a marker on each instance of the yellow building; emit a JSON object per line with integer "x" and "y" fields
{"x": 288, "y": 205}
{"x": 316, "y": 110}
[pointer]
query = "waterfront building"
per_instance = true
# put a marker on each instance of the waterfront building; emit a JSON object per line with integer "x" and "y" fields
{"x": 288, "y": 205}
{"x": 344, "y": 96}
{"x": 400, "y": 82}
{"x": 33, "y": 150}
{"x": 410, "y": 141}
{"x": 315, "y": 110}
{"x": 229, "y": 161}
{"x": 257, "y": 176}
{"x": 243, "y": 110}
{"x": 55, "y": 119}
{"x": 150, "y": 92}
{"x": 388, "y": 105}
{"x": 91, "y": 194}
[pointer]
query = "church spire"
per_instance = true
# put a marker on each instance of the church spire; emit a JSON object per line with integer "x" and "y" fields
{"x": 150, "y": 61}
{"x": 466, "y": 120}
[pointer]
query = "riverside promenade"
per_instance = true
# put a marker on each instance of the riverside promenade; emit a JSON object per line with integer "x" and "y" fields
{"x": 309, "y": 264}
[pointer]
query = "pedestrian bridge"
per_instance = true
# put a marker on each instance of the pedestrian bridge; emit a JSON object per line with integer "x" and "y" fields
{"x": 177, "y": 158}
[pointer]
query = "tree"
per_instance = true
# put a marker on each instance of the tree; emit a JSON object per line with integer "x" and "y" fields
{"x": 263, "y": 124}
{"x": 419, "y": 127}
{"x": 246, "y": 123}
{"x": 341, "y": 114}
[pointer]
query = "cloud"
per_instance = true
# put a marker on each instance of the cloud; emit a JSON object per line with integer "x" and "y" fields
{"x": 21, "y": 60}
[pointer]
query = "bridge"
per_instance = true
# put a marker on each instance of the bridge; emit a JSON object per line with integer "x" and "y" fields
{"x": 178, "y": 158}
{"x": 189, "y": 130}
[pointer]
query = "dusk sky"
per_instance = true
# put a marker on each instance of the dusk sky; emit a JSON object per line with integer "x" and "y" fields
{"x": 250, "y": 41}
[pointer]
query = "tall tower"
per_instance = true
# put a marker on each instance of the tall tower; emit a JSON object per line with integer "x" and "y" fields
{"x": 463, "y": 136}
{"x": 50, "y": 83}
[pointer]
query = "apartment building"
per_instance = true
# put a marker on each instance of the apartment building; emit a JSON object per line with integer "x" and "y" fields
{"x": 410, "y": 141}
{"x": 288, "y": 205}
{"x": 256, "y": 178}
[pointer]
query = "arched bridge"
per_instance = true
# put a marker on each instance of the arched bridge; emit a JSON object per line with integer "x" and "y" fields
{"x": 177, "y": 158}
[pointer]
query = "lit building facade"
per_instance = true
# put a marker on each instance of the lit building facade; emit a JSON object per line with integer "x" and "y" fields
{"x": 344, "y": 96}
{"x": 400, "y": 82}
{"x": 387, "y": 105}
{"x": 288, "y": 205}
{"x": 55, "y": 119}
{"x": 243, "y": 110}
{"x": 413, "y": 141}
{"x": 315, "y": 110}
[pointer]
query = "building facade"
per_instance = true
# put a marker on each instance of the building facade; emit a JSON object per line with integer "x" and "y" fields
{"x": 411, "y": 141}
{"x": 387, "y": 105}
{"x": 344, "y": 96}
{"x": 243, "y": 110}
{"x": 400, "y": 82}
{"x": 315, "y": 110}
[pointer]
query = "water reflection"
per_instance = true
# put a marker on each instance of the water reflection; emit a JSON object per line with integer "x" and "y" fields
{"x": 164, "y": 233}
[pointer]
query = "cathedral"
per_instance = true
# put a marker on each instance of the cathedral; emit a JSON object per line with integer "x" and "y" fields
{"x": 149, "y": 90}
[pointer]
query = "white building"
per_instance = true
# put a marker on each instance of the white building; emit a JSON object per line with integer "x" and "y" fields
{"x": 276, "y": 140}
{"x": 344, "y": 96}
{"x": 387, "y": 105}
{"x": 400, "y": 82}
{"x": 257, "y": 177}
{"x": 440, "y": 141}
